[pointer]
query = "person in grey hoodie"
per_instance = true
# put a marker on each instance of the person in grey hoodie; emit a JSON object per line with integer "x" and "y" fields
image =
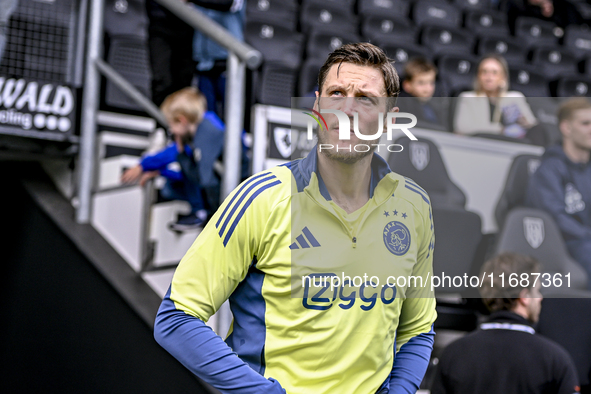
{"x": 562, "y": 183}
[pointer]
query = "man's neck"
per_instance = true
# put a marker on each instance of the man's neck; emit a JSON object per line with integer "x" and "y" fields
{"x": 347, "y": 184}
{"x": 575, "y": 154}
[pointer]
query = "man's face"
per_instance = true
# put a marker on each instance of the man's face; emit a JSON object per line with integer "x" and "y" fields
{"x": 352, "y": 89}
{"x": 421, "y": 85}
{"x": 577, "y": 129}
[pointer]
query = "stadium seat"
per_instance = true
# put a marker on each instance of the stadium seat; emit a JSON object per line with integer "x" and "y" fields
{"x": 275, "y": 42}
{"x": 436, "y": 12}
{"x": 273, "y": 11}
{"x": 508, "y": 47}
{"x": 472, "y": 4}
{"x": 575, "y": 86}
{"x": 401, "y": 53}
{"x": 129, "y": 56}
{"x": 532, "y": 31}
{"x": 276, "y": 84}
{"x": 374, "y": 28}
{"x": 554, "y": 62}
{"x": 308, "y": 80}
{"x": 384, "y": 8}
{"x": 533, "y": 232}
{"x": 544, "y": 109}
{"x": 339, "y": 5}
{"x": 130, "y": 21}
{"x": 445, "y": 40}
{"x": 457, "y": 236}
{"x": 578, "y": 41}
{"x": 319, "y": 17}
{"x": 458, "y": 72}
{"x": 484, "y": 22}
{"x": 514, "y": 191}
{"x": 321, "y": 43}
{"x": 530, "y": 83}
{"x": 421, "y": 161}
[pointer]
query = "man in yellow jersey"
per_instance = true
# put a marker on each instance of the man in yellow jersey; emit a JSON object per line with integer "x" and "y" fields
{"x": 326, "y": 261}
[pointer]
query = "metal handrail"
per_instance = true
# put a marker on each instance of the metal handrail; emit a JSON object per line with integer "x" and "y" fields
{"x": 132, "y": 92}
{"x": 239, "y": 56}
{"x": 213, "y": 30}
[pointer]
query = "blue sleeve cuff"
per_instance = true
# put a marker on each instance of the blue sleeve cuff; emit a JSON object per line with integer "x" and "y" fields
{"x": 410, "y": 363}
{"x": 205, "y": 354}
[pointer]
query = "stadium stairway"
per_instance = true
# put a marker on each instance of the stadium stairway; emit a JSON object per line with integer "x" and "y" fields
{"x": 75, "y": 312}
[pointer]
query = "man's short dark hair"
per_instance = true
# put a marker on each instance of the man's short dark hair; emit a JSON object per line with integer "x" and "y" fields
{"x": 364, "y": 54}
{"x": 500, "y": 295}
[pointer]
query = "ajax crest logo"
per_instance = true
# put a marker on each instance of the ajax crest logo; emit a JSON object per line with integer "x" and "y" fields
{"x": 396, "y": 238}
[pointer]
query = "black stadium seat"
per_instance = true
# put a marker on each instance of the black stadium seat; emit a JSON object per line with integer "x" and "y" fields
{"x": 514, "y": 191}
{"x": 421, "y": 161}
{"x": 342, "y": 5}
{"x": 309, "y": 76}
{"x": 457, "y": 236}
{"x": 575, "y": 86}
{"x": 436, "y": 12}
{"x": 275, "y": 42}
{"x": 374, "y": 28}
{"x": 533, "y": 31}
{"x": 319, "y": 17}
{"x": 273, "y": 11}
{"x": 508, "y": 47}
{"x": 472, "y": 4}
{"x": 384, "y": 8}
{"x": 528, "y": 82}
{"x": 554, "y": 62}
{"x": 128, "y": 55}
{"x": 276, "y": 84}
{"x": 533, "y": 232}
{"x": 445, "y": 40}
{"x": 485, "y": 22}
{"x": 458, "y": 72}
{"x": 578, "y": 41}
{"x": 320, "y": 44}
{"x": 401, "y": 53}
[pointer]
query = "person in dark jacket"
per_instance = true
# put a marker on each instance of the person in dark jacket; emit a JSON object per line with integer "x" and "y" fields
{"x": 562, "y": 183}
{"x": 506, "y": 355}
{"x": 170, "y": 42}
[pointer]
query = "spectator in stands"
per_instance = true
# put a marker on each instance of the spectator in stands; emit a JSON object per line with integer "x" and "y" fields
{"x": 505, "y": 355}
{"x": 491, "y": 108}
{"x": 211, "y": 57}
{"x": 170, "y": 41}
{"x": 419, "y": 87}
{"x": 562, "y": 183}
{"x": 184, "y": 111}
{"x": 563, "y": 14}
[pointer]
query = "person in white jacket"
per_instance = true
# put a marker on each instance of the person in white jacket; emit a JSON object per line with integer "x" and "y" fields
{"x": 491, "y": 107}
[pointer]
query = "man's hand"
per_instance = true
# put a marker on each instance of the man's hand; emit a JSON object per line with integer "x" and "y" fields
{"x": 132, "y": 174}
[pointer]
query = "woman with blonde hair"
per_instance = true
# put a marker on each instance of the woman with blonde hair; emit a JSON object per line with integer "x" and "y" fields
{"x": 491, "y": 107}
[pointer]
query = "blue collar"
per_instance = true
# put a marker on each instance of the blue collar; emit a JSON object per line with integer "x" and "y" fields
{"x": 309, "y": 164}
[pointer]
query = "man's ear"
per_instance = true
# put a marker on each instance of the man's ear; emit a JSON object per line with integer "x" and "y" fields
{"x": 564, "y": 128}
{"x": 524, "y": 297}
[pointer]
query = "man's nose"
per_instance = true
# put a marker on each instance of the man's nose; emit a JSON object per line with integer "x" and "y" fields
{"x": 349, "y": 106}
